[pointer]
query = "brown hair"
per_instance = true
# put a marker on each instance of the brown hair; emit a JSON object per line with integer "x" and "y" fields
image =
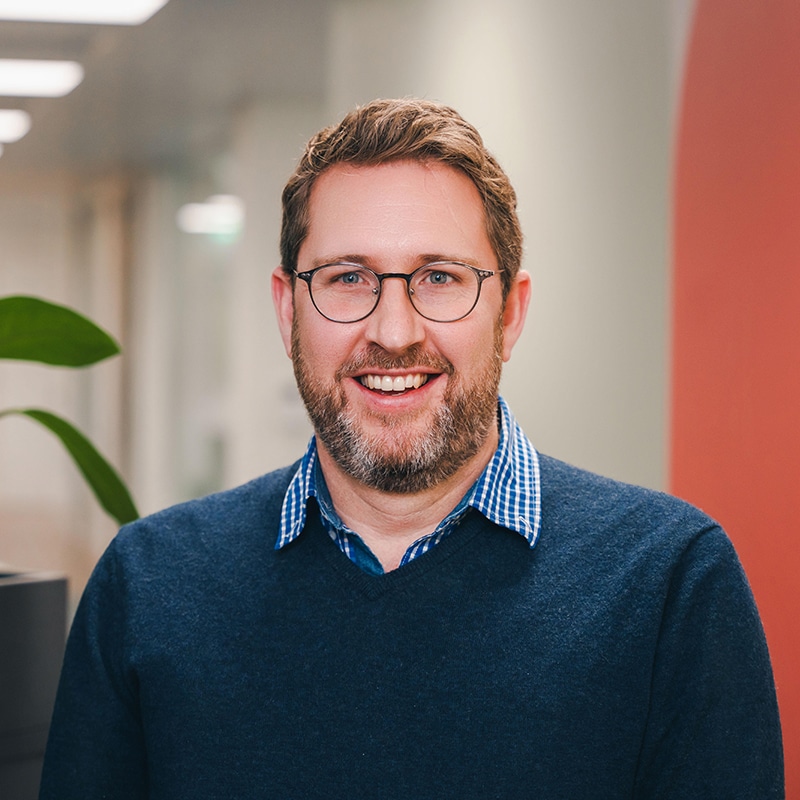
{"x": 395, "y": 130}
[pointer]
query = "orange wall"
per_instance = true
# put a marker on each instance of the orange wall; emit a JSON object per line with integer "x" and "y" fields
{"x": 735, "y": 443}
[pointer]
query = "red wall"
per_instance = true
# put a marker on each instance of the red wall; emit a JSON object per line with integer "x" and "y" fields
{"x": 735, "y": 443}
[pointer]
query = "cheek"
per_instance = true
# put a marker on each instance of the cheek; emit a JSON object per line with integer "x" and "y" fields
{"x": 323, "y": 344}
{"x": 473, "y": 345}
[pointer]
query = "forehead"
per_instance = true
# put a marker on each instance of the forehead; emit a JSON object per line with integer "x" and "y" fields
{"x": 403, "y": 209}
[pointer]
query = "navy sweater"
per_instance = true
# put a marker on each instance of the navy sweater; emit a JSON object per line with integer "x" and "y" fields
{"x": 622, "y": 657}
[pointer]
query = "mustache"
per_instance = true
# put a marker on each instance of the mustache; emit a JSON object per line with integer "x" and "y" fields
{"x": 376, "y": 358}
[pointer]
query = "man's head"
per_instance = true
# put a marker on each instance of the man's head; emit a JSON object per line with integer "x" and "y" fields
{"x": 405, "y": 312}
{"x": 385, "y": 131}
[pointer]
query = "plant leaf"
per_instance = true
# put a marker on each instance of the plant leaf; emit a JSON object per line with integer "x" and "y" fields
{"x": 102, "y": 478}
{"x": 37, "y": 330}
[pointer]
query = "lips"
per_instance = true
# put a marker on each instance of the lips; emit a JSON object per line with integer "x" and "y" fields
{"x": 392, "y": 373}
{"x": 393, "y": 383}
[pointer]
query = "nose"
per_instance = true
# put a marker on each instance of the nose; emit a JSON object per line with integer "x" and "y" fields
{"x": 394, "y": 325}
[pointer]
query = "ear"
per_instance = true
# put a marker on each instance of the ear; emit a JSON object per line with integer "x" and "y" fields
{"x": 515, "y": 311}
{"x": 283, "y": 298}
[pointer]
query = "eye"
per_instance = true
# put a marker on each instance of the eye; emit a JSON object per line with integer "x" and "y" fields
{"x": 441, "y": 275}
{"x": 343, "y": 275}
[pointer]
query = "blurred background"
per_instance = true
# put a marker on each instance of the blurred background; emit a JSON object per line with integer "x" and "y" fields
{"x": 654, "y": 147}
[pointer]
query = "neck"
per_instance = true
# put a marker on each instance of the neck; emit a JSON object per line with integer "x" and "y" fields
{"x": 390, "y": 523}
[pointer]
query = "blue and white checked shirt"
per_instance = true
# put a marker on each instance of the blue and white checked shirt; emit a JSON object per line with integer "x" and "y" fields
{"x": 507, "y": 492}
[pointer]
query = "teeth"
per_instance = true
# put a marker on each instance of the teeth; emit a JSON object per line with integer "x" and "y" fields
{"x": 394, "y": 383}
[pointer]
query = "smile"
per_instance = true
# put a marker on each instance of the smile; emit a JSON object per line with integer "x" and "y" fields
{"x": 393, "y": 383}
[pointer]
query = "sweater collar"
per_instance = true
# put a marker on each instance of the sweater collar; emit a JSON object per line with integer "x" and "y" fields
{"x": 508, "y": 491}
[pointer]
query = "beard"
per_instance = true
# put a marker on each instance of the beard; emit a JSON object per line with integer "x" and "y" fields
{"x": 410, "y": 452}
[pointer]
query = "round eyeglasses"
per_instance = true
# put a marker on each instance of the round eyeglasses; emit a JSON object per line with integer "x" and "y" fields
{"x": 442, "y": 291}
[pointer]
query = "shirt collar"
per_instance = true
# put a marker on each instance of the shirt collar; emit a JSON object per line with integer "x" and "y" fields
{"x": 508, "y": 491}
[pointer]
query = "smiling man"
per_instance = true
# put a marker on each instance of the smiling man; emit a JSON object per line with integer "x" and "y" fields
{"x": 422, "y": 606}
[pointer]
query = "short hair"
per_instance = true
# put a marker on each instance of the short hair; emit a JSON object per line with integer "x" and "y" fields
{"x": 385, "y": 131}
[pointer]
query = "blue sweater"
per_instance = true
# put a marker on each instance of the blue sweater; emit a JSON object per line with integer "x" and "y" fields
{"x": 622, "y": 657}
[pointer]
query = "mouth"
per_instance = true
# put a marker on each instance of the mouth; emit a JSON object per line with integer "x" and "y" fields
{"x": 394, "y": 384}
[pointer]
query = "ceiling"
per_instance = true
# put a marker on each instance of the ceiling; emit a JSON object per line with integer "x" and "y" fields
{"x": 163, "y": 91}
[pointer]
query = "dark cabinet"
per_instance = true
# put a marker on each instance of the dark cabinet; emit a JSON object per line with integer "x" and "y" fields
{"x": 33, "y": 612}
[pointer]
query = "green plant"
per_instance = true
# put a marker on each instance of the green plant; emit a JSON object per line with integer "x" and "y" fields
{"x": 32, "y": 329}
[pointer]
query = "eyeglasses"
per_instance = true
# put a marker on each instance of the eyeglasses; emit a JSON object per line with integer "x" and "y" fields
{"x": 443, "y": 291}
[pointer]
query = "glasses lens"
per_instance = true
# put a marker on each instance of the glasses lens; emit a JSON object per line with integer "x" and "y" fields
{"x": 344, "y": 292}
{"x": 444, "y": 292}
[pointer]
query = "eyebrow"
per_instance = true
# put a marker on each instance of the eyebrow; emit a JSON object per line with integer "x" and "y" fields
{"x": 419, "y": 261}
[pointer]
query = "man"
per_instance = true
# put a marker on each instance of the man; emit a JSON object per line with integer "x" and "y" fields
{"x": 423, "y": 606}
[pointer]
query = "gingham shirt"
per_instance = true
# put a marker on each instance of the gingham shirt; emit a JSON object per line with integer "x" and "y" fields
{"x": 507, "y": 492}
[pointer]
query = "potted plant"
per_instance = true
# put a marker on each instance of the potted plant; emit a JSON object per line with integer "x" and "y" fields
{"x": 32, "y": 329}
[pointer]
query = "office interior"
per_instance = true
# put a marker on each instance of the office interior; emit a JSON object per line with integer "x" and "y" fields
{"x": 651, "y": 147}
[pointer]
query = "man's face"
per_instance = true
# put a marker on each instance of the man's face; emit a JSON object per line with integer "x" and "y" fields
{"x": 400, "y": 403}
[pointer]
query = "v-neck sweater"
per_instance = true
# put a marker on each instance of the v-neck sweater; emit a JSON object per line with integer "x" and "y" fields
{"x": 622, "y": 657}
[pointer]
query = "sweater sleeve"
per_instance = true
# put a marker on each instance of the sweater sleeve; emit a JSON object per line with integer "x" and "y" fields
{"x": 96, "y": 746}
{"x": 713, "y": 729}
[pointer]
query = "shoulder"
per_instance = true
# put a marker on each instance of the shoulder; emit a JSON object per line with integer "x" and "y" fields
{"x": 610, "y": 520}
{"x": 165, "y": 576}
{"x": 218, "y": 527}
{"x": 583, "y": 497}
{"x": 649, "y": 551}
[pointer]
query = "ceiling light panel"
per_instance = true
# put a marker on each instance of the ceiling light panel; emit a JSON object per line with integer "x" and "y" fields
{"x": 103, "y": 12}
{"x": 14, "y": 124}
{"x": 221, "y": 214}
{"x": 25, "y": 78}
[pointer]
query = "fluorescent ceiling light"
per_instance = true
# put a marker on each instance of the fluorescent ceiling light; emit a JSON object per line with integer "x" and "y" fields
{"x": 221, "y": 214}
{"x": 14, "y": 124}
{"x": 103, "y": 12}
{"x": 25, "y": 78}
